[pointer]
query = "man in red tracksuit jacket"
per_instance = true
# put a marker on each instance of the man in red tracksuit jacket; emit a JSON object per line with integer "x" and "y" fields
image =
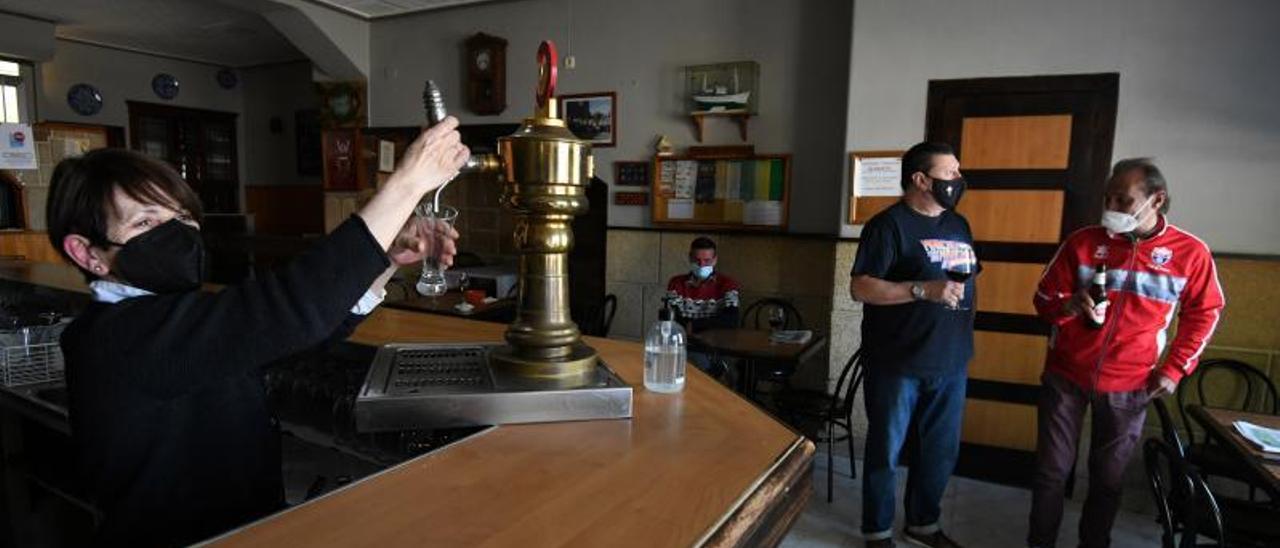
{"x": 1152, "y": 270}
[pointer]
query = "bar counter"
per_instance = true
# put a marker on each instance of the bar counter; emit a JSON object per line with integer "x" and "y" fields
{"x": 703, "y": 467}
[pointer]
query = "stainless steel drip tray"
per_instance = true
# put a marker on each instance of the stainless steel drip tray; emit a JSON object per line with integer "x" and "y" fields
{"x": 413, "y": 386}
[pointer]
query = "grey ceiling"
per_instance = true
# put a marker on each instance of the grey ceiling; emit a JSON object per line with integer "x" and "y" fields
{"x": 202, "y": 30}
{"x": 372, "y": 9}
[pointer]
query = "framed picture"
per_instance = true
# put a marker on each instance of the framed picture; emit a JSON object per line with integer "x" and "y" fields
{"x": 592, "y": 117}
{"x": 631, "y": 173}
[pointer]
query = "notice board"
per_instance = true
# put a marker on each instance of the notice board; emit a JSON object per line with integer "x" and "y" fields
{"x": 750, "y": 193}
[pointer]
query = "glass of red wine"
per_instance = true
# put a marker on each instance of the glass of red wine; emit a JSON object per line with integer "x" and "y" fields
{"x": 960, "y": 271}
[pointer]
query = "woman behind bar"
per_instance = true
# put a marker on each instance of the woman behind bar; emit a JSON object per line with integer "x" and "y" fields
{"x": 167, "y": 404}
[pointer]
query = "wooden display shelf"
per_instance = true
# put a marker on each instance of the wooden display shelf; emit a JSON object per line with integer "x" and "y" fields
{"x": 741, "y": 118}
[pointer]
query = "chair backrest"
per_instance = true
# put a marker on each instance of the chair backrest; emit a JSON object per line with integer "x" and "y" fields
{"x": 756, "y": 316}
{"x": 600, "y": 318}
{"x": 1167, "y": 429}
{"x": 1182, "y": 498}
{"x": 608, "y": 308}
{"x": 847, "y": 385}
{"x": 1230, "y": 384}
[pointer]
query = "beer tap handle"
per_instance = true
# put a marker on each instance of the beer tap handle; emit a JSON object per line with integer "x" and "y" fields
{"x": 433, "y": 103}
{"x": 548, "y": 59}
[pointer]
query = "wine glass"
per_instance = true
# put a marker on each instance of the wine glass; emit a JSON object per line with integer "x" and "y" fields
{"x": 777, "y": 318}
{"x": 464, "y": 282}
{"x": 960, "y": 270}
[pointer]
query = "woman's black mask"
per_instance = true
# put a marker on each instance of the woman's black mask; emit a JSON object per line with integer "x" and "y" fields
{"x": 166, "y": 259}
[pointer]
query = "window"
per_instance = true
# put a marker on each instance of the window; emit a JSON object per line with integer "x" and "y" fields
{"x": 13, "y": 93}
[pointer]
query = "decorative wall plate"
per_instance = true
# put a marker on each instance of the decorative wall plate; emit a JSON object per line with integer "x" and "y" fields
{"x": 227, "y": 78}
{"x": 165, "y": 86}
{"x": 84, "y": 99}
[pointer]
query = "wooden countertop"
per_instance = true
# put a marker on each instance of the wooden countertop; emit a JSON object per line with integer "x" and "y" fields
{"x": 700, "y": 467}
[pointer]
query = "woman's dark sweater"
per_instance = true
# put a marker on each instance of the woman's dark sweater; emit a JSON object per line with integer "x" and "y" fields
{"x": 168, "y": 409}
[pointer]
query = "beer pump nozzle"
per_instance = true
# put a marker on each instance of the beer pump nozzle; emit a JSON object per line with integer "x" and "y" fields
{"x": 433, "y": 103}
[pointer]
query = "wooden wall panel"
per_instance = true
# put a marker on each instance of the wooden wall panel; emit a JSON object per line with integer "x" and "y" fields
{"x": 1016, "y": 142}
{"x": 999, "y": 424}
{"x": 1007, "y": 287}
{"x": 1008, "y": 357}
{"x": 291, "y": 210}
{"x": 1020, "y": 216}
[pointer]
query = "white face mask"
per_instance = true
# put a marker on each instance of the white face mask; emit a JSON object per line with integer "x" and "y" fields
{"x": 701, "y": 272}
{"x": 1119, "y": 222}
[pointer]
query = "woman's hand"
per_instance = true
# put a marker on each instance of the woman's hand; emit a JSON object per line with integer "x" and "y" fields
{"x": 433, "y": 158}
{"x": 421, "y": 238}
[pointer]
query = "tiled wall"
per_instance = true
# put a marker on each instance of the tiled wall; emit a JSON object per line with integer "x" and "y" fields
{"x": 796, "y": 268}
{"x": 51, "y": 147}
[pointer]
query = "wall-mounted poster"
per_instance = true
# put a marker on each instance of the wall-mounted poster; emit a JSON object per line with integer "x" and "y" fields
{"x": 875, "y": 183}
{"x": 17, "y": 147}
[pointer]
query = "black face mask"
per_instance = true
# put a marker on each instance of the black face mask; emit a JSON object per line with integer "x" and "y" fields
{"x": 948, "y": 191}
{"x": 166, "y": 259}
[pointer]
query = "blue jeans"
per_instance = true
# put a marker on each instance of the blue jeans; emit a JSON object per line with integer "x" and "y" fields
{"x": 892, "y": 399}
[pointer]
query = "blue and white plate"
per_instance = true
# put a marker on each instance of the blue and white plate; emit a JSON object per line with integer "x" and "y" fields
{"x": 84, "y": 99}
{"x": 165, "y": 86}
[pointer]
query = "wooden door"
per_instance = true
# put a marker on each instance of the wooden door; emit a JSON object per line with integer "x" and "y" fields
{"x": 1036, "y": 152}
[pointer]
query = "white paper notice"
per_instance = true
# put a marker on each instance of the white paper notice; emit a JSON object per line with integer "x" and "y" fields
{"x": 877, "y": 177}
{"x": 761, "y": 212}
{"x": 17, "y": 147}
{"x": 679, "y": 209}
{"x": 686, "y": 178}
{"x": 386, "y": 156}
{"x": 666, "y": 179}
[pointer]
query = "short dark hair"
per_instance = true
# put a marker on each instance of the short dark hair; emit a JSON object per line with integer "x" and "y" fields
{"x": 920, "y": 158}
{"x": 1152, "y": 179}
{"x": 82, "y": 189}
{"x": 701, "y": 242}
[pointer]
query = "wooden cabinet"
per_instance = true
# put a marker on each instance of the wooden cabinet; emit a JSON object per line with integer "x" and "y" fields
{"x": 28, "y": 246}
{"x": 200, "y": 144}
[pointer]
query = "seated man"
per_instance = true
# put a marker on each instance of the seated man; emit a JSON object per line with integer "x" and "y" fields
{"x": 703, "y": 298}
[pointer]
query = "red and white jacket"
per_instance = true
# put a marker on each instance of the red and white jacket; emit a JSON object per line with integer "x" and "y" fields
{"x": 1147, "y": 280}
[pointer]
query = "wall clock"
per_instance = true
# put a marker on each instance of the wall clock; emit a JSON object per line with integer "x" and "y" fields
{"x": 486, "y": 62}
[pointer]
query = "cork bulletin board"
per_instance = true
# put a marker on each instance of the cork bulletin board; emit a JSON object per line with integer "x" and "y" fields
{"x": 749, "y": 193}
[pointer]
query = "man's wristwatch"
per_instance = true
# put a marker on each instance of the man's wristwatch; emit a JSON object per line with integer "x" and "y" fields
{"x": 917, "y": 291}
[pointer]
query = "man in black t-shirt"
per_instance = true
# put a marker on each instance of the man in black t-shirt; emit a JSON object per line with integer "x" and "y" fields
{"x": 917, "y": 337}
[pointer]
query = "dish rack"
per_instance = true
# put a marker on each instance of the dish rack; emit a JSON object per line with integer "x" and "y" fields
{"x": 31, "y": 355}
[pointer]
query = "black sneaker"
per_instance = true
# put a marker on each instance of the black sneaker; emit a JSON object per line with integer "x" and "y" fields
{"x": 936, "y": 539}
{"x": 881, "y": 543}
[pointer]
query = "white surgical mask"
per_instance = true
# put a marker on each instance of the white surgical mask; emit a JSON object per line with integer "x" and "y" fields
{"x": 701, "y": 272}
{"x": 1119, "y": 222}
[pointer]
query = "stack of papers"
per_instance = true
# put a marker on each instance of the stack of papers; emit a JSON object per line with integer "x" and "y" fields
{"x": 1267, "y": 439}
{"x": 795, "y": 336}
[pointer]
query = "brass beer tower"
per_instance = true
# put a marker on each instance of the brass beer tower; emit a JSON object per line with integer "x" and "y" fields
{"x": 544, "y": 373}
{"x": 546, "y": 170}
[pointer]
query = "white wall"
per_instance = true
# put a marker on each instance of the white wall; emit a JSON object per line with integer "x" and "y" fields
{"x": 122, "y": 76}
{"x": 24, "y": 38}
{"x": 1198, "y": 88}
{"x": 275, "y": 91}
{"x": 638, "y": 50}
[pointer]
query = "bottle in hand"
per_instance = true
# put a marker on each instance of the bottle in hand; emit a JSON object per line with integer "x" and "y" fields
{"x": 1098, "y": 292}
